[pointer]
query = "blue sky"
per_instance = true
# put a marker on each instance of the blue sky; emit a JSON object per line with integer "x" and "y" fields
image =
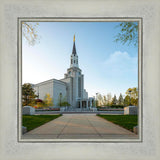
{"x": 108, "y": 67}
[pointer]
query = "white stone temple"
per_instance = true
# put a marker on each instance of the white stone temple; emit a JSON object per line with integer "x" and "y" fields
{"x": 69, "y": 89}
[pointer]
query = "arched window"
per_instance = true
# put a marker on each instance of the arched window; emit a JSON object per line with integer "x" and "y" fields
{"x": 74, "y": 61}
{"x": 71, "y": 61}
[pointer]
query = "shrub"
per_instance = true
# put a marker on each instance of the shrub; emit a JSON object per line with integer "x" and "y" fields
{"x": 117, "y": 106}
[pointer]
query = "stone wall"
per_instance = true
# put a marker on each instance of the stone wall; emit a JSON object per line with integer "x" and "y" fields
{"x": 28, "y": 110}
{"x": 54, "y": 88}
{"x": 131, "y": 110}
{"x": 43, "y": 88}
{"x": 59, "y": 87}
{"x": 69, "y": 91}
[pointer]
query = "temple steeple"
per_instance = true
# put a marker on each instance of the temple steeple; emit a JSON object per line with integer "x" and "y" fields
{"x": 74, "y": 56}
{"x": 74, "y": 46}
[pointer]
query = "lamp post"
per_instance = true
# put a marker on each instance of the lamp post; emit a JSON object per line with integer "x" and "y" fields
{"x": 60, "y": 98}
{"x": 96, "y": 100}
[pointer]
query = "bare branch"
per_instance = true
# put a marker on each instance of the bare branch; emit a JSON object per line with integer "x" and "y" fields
{"x": 29, "y": 32}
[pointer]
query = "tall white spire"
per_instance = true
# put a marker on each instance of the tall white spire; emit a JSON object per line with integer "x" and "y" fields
{"x": 74, "y": 56}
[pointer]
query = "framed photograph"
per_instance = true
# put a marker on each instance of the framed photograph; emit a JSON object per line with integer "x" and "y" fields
{"x": 79, "y": 82}
{"x": 81, "y": 108}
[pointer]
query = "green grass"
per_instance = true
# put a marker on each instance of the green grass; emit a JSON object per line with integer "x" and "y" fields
{"x": 126, "y": 121}
{"x": 34, "y": 121}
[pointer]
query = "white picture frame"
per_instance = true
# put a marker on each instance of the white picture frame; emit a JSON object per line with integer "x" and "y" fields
{"x": 78, "y": 19}
{"x": 146, "y": 148}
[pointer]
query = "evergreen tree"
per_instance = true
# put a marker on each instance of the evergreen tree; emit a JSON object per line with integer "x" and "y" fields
{"x": 114, "y": 100}
{"x": 109, "y": 99}
{"x": 120, "y": 100}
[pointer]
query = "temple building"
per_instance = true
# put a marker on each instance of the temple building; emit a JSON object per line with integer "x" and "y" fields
{"x": 69, "y": 89}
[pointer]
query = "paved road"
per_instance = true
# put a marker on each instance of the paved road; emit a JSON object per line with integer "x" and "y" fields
{"x": 79, "y": 126}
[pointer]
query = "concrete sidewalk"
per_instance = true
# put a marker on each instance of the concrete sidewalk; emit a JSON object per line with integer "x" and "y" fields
{"x": 79, "y": 126}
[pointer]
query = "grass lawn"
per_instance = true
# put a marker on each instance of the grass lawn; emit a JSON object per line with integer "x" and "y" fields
{"x": 34, "y": 121}
{"x": 126, "y": 121}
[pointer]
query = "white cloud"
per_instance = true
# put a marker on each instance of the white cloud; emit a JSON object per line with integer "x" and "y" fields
{"x": 121, "y": 63}
{"x": 115, "y": 74}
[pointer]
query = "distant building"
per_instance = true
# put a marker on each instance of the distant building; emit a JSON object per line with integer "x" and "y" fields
{"x": 69, "y": 89}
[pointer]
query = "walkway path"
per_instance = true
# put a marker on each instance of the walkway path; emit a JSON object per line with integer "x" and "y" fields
{"x": 79, "y": 126}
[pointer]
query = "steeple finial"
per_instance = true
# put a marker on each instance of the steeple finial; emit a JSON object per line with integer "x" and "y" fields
{"x": 74, "y": 46}
{"x": 74, "y": 38}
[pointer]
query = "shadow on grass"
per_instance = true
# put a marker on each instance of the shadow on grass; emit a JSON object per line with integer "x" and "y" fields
{"x": 34, "y": 121}
{"x": 125, "y": 121}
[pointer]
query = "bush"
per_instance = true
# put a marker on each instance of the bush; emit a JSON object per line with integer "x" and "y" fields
{"x": 110, "y": 107}
{"x": 98, "y": 107}
{"x": 117, "y": 106}
{"x": 63, "y": 104}
{"x": 49, "y": 109}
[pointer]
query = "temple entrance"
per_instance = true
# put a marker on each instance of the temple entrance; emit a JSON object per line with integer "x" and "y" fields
{"x": 88, "y": 103}
{"x": 83, "y": 104}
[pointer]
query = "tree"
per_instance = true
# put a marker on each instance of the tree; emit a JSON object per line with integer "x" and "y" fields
{"x": 65, "y": 103}
{"x": 114, "y": 100}
{"x": 133, "y": 92}
{"x": 134, "y": 101}
{"x": 132, "y": 96}
{"x": 48, "y": 100}
{"x": 109, "y": 99}
{"x": 40, "y": 103}
{"x": 127, "y": 100}
{"x": 129, "y": 33}
{"x": 29, "y": 32}
{"x": 104, "y": 100}
{"x": 62, "y": 101}
{"x": 28, "y": 95}
{"x": 99, "y": 99}
{"x": 120, "y": 100}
